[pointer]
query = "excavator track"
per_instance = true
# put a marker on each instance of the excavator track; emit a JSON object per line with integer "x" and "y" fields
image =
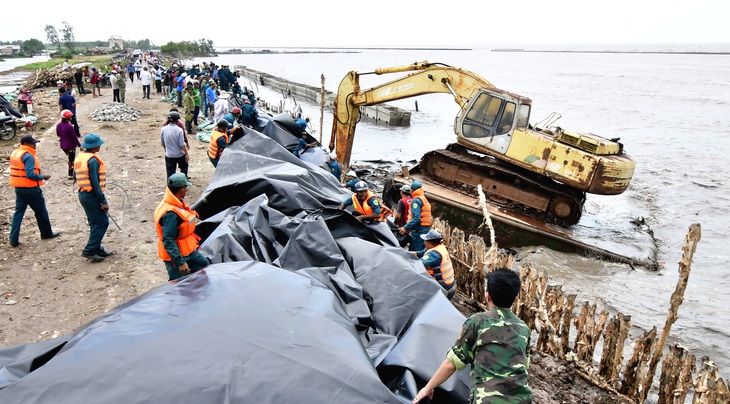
{"x": 509, "y": 187}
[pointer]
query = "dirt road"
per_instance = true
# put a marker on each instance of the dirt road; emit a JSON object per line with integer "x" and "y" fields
{"x": 47, "y": 288}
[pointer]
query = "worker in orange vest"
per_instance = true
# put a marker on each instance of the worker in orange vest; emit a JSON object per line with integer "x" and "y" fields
{"x": 419, "y": 217}
{"x": 437, "y": 261}
{"x": 366, "y": 206}
{"x": 177, "y": 243}
{"x": 90, "y": 176}
{"x": 218, "y": 142}
{"x": 26, "y": 178}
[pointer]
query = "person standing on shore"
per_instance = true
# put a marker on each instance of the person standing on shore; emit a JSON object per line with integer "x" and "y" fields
{"x": 419, "y": 217}
{"x": 173, "y": 142}
{"x": 210, "y": 97}
{"x": 138, "y": 68}
{"x": 122, "y": 84}
{"x": 130, "y": 71}
{"x": 67, "y": 102}
{"x": 95, "y": 81}
{"x": 179, "y": 86}
{"x": 68, "y": 140}
{"x": 146, "y": 78}
{"x": 115, "y": 87}
{"x": 497, "y": 345}
{"x": 197, "y": 97}
{"x": 157, "y": 72}
{"x": 189, "y": 105}
{"x": 177, "y": 243}
{"x": 26, "y": 178}
{"x": 220, "y": 107}
{"x": 79, "y": 78}
{"x": 90, "y": 174}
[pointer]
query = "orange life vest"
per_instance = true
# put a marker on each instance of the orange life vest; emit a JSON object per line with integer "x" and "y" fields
{"x": 444, "y": 272}
{"x": 425, "y": 208}
{"x": 18, "y": 178}
{"x": 81, "y": 168}
{"x": 365, "y": 209}
{"x": 187, "y": 240}
{"x": 214, "y": 151}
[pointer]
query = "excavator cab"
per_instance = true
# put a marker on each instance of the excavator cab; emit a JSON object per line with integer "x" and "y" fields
{"x": 490, "y": 117}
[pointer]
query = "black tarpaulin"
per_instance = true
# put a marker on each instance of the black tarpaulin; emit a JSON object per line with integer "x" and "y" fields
{"x": 303, "y": 304}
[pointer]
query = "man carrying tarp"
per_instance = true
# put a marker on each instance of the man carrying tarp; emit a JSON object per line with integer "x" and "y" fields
{"x": 175, "y": 222}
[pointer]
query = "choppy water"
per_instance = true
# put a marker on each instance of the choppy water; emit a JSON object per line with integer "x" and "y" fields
{"x": 672, "y": 112}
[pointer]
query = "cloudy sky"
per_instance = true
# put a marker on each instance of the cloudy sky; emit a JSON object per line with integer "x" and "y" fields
{"x": 456, "y": 23}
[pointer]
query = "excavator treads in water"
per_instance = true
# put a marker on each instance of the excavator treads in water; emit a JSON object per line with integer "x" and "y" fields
{"x": 509, "y": 187}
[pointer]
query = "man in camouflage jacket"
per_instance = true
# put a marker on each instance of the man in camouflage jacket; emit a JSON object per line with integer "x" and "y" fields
{"x": 497, "y": 345}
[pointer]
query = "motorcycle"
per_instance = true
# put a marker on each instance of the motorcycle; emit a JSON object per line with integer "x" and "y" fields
{"x": 25, "y": 101}
{"x": 7, "y": 127}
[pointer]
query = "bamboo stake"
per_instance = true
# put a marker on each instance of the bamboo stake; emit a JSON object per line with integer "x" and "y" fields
{"x": 321, "y": 113}
{"x": 689, "y": 248}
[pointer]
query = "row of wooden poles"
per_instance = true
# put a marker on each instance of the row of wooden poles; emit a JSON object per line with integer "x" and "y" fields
{"x": 552, "y": 314}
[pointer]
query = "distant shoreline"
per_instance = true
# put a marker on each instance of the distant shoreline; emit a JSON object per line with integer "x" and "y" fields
{"x": 610, "y": 51}
{"x": 314, "y": 49}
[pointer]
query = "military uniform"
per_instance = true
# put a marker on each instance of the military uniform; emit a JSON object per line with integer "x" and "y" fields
{"x": 497, "y": 345}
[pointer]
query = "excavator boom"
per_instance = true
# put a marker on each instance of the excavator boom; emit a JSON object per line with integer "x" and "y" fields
{"x": 428, "y": 78}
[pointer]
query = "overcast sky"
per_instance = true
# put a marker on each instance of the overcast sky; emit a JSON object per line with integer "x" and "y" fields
{"x": 455, "y": 23}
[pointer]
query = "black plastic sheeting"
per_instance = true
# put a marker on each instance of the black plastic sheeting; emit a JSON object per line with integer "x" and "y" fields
{"x": 303, "y": 304}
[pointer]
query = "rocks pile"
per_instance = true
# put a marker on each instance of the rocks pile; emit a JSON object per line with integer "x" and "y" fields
{"x": 115, "y": 112}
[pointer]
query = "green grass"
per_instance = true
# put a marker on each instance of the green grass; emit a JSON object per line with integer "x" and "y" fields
{"x": 98, "y": 60}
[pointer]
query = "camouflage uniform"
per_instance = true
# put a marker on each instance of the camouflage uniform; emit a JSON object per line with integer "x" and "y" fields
{"x": 497, "y": 344}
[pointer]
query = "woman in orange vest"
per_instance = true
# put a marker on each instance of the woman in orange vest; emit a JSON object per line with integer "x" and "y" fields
{"x": 177, "y": 243}
{"x": 90, "y": 174}
{"x": 437, "y": 261}
{"x": 366, "y": 204}
{"x": 26, "y": 178}
{"x": 218, "y": 142}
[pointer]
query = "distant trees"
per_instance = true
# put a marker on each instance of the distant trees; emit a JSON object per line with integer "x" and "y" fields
{"x": 68, "y": 36}
{"x": 144, "y": 44}
{"x": 52, "y": 36}
{"x": 202, "y": 47}
{"x": 32, "y": 47}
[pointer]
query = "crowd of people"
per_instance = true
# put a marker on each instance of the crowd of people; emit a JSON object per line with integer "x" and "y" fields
{"x": 496, "y": 343}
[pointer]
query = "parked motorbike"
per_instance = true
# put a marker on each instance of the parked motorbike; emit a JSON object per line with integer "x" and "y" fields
{"x": 25, "y": 101}
{"x": 7, "y": 127}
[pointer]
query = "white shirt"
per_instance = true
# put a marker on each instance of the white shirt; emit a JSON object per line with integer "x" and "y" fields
{"x": 146, "y": 77}
{"x": 220, "y": 108}
{"x": 65, "y": 65}
{"x": 113, "y": 82}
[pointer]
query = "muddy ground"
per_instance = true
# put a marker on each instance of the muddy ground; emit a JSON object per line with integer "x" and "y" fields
{"x": 47, "y": 289}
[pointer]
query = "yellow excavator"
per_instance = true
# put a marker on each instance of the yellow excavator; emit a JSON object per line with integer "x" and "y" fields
{"x": 544, "y": 172}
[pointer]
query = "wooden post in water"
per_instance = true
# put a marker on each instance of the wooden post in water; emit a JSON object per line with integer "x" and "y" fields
{"x": 321, "y": 112}
{"x": 685, "y": 265}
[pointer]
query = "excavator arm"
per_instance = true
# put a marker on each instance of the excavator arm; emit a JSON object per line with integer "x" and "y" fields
{"x": 427, "y": 78}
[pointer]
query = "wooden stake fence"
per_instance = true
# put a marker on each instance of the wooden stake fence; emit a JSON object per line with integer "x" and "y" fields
{"x": 552, "y": 314}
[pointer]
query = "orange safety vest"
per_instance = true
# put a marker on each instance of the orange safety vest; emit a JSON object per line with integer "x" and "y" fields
{"x": 18, "y": 178}
{"x": 425, "y": 209}
{"x": 444, "y": 272}
{"x": 214, "y": 151}
{"x": 187, "y": 240}
{"x": 365, "y": 209}
{"x": 81, "y": 168}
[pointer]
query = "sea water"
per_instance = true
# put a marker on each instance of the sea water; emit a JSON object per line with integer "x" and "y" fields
{"x": 672, "y": 113}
